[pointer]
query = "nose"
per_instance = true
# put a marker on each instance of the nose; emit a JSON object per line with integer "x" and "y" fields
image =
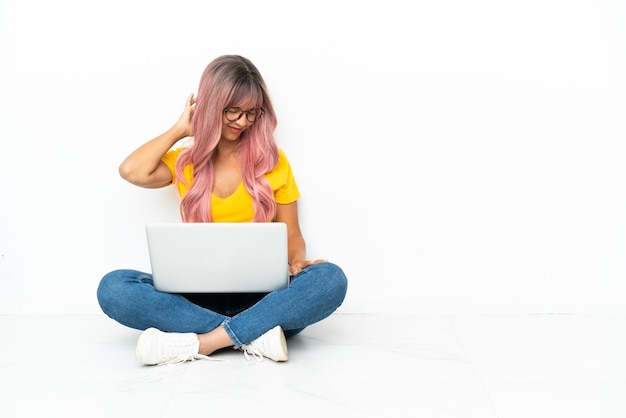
{"x": 242, "y": 121}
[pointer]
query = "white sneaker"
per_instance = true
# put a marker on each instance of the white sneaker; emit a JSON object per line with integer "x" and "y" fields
{"x": 272, "y": 345}
{"x": 158, "y": 347}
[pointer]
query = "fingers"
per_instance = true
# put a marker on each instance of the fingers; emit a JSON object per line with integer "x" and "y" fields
{"x": 190, "y": 100}
{"x": 298, "y": 266}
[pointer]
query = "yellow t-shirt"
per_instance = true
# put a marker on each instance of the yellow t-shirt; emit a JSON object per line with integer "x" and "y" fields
{"x": 238, "y": 206}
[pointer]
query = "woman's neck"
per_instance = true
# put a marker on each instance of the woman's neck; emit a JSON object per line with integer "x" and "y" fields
{"x": 227, "y": 148}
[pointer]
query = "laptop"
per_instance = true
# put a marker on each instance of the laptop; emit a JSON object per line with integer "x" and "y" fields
{"x": 218, "y": 257}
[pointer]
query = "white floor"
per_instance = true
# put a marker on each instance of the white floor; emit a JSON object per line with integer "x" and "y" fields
{"x": 504, "y": 366}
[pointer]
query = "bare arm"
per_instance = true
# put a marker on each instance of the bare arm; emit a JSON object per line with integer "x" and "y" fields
{"x": 288, "y": 214}
{"x": 143, "y": 167}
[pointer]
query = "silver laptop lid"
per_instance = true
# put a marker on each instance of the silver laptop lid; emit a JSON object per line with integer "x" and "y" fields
{"x": 218, "y": 257}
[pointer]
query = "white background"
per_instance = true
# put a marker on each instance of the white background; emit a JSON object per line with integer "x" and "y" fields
{"x": 453, "y": 156}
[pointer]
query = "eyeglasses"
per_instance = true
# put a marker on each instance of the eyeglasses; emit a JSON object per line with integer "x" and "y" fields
{"x": 233, "y": 114}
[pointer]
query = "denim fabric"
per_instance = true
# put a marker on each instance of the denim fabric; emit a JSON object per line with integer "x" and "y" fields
{"x": 129, "y": 297}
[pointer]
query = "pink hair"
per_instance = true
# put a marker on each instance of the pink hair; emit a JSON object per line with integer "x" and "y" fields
{"x": 230, "y": 81}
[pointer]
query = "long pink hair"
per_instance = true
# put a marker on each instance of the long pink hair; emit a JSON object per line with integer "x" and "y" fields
{"x": 230, "y": 81}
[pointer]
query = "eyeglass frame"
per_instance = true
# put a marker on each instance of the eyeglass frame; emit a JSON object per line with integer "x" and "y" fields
{"x": 242, "y": 112}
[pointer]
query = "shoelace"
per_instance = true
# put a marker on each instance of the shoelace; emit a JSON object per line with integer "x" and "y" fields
{"x": 251, "y": 350}
{"x": 184, "y": 353}
{"x": 181, "y": 358}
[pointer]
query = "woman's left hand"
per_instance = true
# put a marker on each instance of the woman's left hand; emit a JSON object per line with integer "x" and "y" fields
{"x": 298, "y": 265}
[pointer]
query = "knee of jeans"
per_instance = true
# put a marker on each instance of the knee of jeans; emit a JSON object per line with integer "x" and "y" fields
{"x": 108, "y": 287}
{"x": 337, "y": 280}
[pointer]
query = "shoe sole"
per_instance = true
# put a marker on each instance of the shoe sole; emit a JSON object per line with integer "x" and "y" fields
{"x": 141, "y": 343}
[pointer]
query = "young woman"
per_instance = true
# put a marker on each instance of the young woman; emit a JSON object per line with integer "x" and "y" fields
{"x": 232, "y": 172}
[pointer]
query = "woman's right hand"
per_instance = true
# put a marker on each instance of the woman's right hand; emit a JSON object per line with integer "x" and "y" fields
{"x": 185, "y": 122}
{"x": 144, "y": 167}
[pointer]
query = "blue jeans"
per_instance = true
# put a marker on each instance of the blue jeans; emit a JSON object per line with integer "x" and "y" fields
{"x": 129, "y": 297}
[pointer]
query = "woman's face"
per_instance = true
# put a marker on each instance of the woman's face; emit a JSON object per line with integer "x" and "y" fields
{"x": 236, "y": 120}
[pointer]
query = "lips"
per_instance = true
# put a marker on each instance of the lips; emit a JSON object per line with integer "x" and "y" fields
{"x": 234, "y": 130}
